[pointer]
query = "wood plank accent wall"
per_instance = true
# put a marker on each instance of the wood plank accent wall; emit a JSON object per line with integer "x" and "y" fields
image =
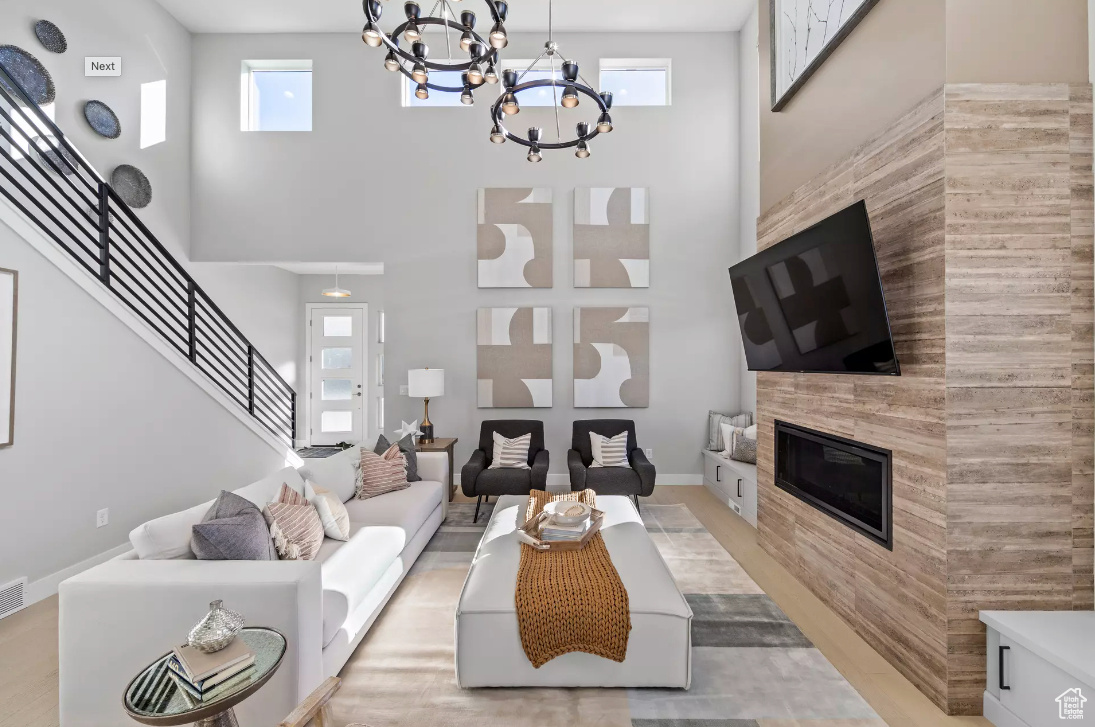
{"x": 981, "y": 206}
{"x": 1019, "y": 358}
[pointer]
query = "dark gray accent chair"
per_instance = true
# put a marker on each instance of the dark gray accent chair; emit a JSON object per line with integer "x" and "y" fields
{"x": 635, "y": 481}
{"x": 479, "y": 481}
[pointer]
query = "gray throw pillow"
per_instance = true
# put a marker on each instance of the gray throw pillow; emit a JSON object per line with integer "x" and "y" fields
{"x": 233, "y": 529}
{"x": 406, "y": 447}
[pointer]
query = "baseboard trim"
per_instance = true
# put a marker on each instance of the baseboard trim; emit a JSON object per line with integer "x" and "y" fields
{"x": 45, "y": 587}
{"x": 998, "y": 714}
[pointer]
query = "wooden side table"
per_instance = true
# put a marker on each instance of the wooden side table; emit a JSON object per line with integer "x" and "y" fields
{"x": 441, "y": 445}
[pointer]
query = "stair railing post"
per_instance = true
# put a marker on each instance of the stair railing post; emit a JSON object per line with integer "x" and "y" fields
{"x": 192, "y": 320}
{"x": 251, "y": 379}
{"x": 104, "y": 234}
{"x": 293, "y": 402}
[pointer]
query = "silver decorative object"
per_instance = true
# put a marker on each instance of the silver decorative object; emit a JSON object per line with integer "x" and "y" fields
{"x": 31, "y": 75}
{"x": 50, "y": 36}
{"x": 216, "y": 630}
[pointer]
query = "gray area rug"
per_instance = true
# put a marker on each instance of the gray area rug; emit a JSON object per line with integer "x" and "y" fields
{"x": 752, "y": 667}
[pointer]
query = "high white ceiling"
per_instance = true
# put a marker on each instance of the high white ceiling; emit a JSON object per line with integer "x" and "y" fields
{"x": 344, "y": 16}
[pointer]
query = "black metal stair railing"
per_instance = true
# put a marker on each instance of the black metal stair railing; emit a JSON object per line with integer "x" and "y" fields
{"x": 50, "y": 182}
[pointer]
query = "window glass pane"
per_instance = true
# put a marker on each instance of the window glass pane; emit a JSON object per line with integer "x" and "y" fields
{"x": 153, "y": 113}
{"x": 336, "y": 421}
{"x": 337, "y": 326}
{"x": 537, "y": 96}
{"x": 636, "y": 87}
{"x": 281, "y": 100}
{"x": 451, "y": 79}
{"x": 338, "y": 358}
{"x": 337, "y": 389}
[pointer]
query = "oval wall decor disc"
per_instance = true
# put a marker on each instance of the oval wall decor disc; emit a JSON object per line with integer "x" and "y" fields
{"x": 50, "y": 36}
{"x": 102, "y": 119}
{"x": 59, "y": 161}
{"x": 31, "y": 75}
{"x": 131, "y": 185}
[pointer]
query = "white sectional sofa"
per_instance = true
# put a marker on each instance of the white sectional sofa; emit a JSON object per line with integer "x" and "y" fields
{"x": 117, "y": 617}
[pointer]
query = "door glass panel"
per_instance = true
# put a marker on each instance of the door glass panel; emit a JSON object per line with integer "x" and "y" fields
{"x": 336, "y": 421}
{"x": 338, "y": 358}
{"x": 338, "y": 326}
{"x": 337, "y": 390}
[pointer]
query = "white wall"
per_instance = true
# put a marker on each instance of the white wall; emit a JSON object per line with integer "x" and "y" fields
{"x": 102, "y": 420}
{"x": 749, "y": 84}
{"x": 375, "y": 182}
{"x": 153, "y": 47}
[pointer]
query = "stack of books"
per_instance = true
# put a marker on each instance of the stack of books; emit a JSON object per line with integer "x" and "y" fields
{"x": 552, "y": 532}
{"x": 204, "y": 677}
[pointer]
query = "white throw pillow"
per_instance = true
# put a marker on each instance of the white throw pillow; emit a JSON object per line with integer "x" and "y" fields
{"x": 751, "y": 432}
{"x": 338, "y": 473}
{"x": 727, "y": 431}
{"x": 511, "y": 453}
{"x": 609, "y": 452}
{"x": 332, "y": 513}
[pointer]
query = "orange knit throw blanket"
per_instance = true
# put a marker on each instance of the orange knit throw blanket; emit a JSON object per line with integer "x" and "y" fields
{"x": 570, "y": 600}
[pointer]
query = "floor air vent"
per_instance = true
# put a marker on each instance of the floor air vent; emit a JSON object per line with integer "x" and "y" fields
{"x": 13, "y": 597}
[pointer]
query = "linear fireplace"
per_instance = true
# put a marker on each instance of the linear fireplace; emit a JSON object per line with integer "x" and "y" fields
{"x": 847, "y": 480}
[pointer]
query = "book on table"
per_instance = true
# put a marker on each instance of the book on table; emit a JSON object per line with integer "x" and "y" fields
{"x": 197, "y": 666}
{"x": 554, "y": 532}
{"x": 202, "y": 686}
{"x": 230, "y": 684}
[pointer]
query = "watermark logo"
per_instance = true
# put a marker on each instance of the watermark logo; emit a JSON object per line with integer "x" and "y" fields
{"x": 1070, "y": 705}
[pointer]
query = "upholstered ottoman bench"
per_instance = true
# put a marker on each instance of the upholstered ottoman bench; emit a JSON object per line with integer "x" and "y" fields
{"x": 488, "y": 643}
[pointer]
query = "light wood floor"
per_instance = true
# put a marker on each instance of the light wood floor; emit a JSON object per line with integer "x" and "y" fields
{"x": 28, "y": 640}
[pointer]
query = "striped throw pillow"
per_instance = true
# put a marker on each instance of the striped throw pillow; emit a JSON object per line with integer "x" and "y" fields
{"x": 609, "y": 452}
{"x": 288, "y": 496}
{"x": 296, "y": 529}
{"x": 381, "y": 474}
{"x": 511, "y": 453}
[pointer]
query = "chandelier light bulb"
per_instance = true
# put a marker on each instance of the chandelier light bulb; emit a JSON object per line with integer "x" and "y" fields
{"x": 422, "y": 92}
{"x": 490, "y": 75}
{"x": 475, "y": 74}
{"x": 604, "y": 124}
{"x": 570, "y": 97}
{"x": 466, "y": 39}
{"x": 510, "y": 105}
{"x": 412, "y": 33}
{"x": 419, "y": 73}
{"x": 496, "y": 135}
{"x": 391, "y": 62}
{"x": 582, "y": 151}
{"x": 372, "y": 35}
{"x": 534, "y": 154}
{"x": 466, "y": 96}
{"x": 498, "y": 37}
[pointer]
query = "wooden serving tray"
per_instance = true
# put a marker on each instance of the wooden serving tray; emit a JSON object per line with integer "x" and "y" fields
{"x": 531, "y": 529}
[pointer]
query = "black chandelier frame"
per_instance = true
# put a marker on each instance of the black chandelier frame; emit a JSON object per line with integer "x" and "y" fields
{"x": 498, "y": 11}
{"x": 603, "y": 101}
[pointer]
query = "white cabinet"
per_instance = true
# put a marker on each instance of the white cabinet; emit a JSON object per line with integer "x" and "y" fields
{"x": 1040, "y": 667}
{"x": 734, "y": 483}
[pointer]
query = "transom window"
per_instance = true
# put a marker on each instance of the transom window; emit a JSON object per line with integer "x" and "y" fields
{"x": 276, "y": 96}
{"x": 637, "y": 81}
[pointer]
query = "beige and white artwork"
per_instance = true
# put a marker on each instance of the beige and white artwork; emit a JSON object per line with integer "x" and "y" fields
{"x": 612, "y": 357}
{"x": 514, "y": 358}
{"x": 611, "y": 237}
{"x": 514, "y": 238}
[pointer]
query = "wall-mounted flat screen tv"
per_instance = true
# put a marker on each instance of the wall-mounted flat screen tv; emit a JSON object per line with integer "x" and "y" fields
{"x": 813, "y": 303}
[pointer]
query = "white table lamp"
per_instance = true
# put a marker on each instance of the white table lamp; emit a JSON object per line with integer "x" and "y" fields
{"x": 426, "y": 384}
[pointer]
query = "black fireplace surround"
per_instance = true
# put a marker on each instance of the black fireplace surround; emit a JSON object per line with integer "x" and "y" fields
{"x": 849, "y": 481}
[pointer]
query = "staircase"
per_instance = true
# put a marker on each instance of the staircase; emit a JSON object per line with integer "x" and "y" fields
{"x": 56, "y": 190}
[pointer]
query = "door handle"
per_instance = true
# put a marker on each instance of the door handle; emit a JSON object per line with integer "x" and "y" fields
{"x": 718, "y": 473}
{"x": 1002, "y": 650}
{"x": 739, "y": 487}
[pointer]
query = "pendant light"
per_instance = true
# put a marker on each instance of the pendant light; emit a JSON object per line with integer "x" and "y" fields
{"x": 336, "y": 292}
{"x": 572, "y": 87}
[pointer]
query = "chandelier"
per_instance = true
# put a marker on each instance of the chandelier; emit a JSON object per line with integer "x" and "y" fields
{"x": 574, "y": 86}
{"x": 482, "y": 53}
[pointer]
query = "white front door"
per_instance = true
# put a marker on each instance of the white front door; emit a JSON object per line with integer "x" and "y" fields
{"x": 336, "y": 375}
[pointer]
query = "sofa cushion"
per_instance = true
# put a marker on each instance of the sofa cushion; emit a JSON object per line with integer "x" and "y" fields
{"x": 338, "y": 473}
{"x": 168, "y": 537}
{"x": 503, "y": 482}
{"x": 613, "y": 481}
{"x": 406, "y": 509}
{"x": 351, "y": 569}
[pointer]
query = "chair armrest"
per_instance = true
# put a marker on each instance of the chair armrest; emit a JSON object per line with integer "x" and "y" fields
{"x": 117, "y": 618}
{"x": 647, "y": 473}
{"x": 470, "y": 472}
{"x": 434, "y": 467}
{"x": 577, "y": 470}
{"x": 540, "y": 470}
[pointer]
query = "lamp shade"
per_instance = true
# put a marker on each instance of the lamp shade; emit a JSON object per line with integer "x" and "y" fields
{"x": 426, "y": 383}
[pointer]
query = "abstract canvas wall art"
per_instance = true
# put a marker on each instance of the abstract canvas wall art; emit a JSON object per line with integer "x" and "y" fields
{"x": 612, "y": 357}
{"x": 514, "y": 238}
{"x": 803, "y": 34}
{"x": 514, "y": 358}
{"x": 611, "y": 237}
{"x": 9, "y": 308}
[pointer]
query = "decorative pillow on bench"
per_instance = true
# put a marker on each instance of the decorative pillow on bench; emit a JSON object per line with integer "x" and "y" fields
{"x": 232, "y": 529}
{"x": 715, "y": 440}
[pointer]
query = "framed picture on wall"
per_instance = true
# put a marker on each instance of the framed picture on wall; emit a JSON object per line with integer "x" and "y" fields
{"x": 804, "y": 33}
{"x": 9, "y": 307}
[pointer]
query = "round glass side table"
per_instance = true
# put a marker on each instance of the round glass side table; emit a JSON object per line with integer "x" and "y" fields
{"x": 154, "y": 697}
